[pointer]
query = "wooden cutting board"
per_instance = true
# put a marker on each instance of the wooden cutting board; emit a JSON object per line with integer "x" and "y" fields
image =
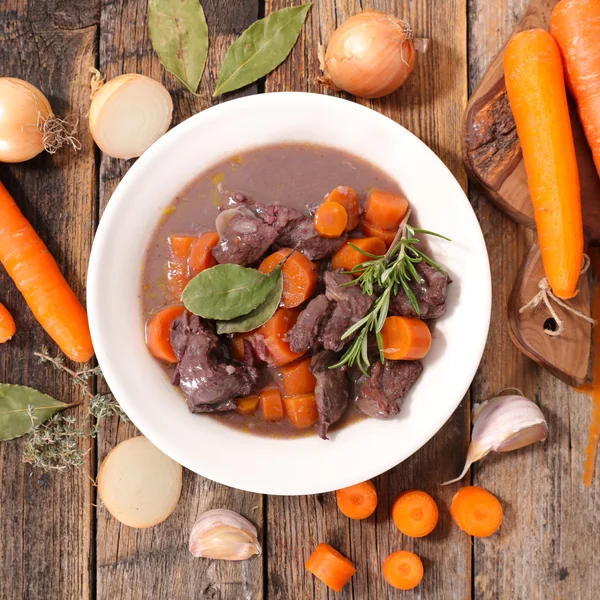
{"x": 493, "y": 159}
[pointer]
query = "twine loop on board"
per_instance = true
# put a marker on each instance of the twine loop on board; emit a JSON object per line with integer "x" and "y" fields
{"x": 546, "y": 295}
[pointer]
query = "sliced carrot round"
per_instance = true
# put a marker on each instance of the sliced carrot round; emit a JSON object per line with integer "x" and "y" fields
{"x": 385, "y": 210}
{"x": 415, "y": 513}
{"x": 347, "y": 258}
{"x": 387, "y": 235}
{"x": 330, "y": 566}
{"x": 201, "y": 257}
{"x": 331, "y": 220}
{"x": 348, "y": 198}
{"x": 300, "y": 275}
{"x": 405, "y": 338}
{"x": 7, "y": 325}
{"x": 158, "y": 333}
{"x": 476, "y": 511}
{"x": 403, "y": 570}
{"x": 357, "y": 501}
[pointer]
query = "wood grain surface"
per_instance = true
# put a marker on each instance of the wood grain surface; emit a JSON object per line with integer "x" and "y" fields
{"x": 54, "y": 543}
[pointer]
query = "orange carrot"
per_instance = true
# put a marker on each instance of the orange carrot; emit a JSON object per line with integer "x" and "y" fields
{"x": 247, "y": 405}
{"x": 357, "y": 501}
{"x": 200, "y": 255}
{"x": 405, "y": 338}
{"x": 403, "y": 570}
{"x": 38, "y": 278}
{"x": 297, "y": 378}
{"x": 158, "y": 333}
{"x": 331, "y": 220}
{"x": 348, "y": 198}
{"x": 274, "y": 331}
{"x": 301, "y": 410}
{"x": 271, "y": 405}
{"x": 347, "y": 257}
{"x": 536, "y": 91}
{"x": 300, "y": 275}
{"x": 575, "y": 25}
{"x": 7, "y": 324}
{"x": 415, "y": 513}
{"x": 177, "y": 265}
{"x": 331, "y": 567}
{"x": 237, "y": 344}
{"x": 387, "y": 235}
{"x": 476, "y": 511}
{"x": 385, "y": 210}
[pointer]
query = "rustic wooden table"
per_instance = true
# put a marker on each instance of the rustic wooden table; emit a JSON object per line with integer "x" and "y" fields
{"x": 57, "y": 543}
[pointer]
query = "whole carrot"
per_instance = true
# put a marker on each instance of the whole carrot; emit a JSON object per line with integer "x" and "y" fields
{"x": 36, "y": 274}
{"x": 7, "y": 324}
{"x": 575, "y": 24}
{"x": 536, "y": 91}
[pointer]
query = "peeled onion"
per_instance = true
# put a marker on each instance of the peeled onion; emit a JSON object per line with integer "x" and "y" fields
{"x": 139, "y": 485}
{"x": 128, "y": 114}
{"x": 370, "y": 55}
{"x": 27, "y": 124}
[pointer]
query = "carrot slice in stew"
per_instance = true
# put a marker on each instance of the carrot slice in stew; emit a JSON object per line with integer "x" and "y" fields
{"x": 331, "y": 220}
{"x": 300, "y": 275}
{"x": 201, "y": 257}
{"x": 405, "y": 338}
{"x": 274, "y": 331}
{"x": 158, "y": 333}
{"x": 403, "y": 570}
{"x": 348, "y": 198}
{"x": 385, "y": 210}
{"x": 301, "y": 410}
{"x": 247, "y": 405}
{"x": 177, "y": 265}
{"x": 7, "y": 324}
{"x": 331, "y": 567}
{"x": 346, "y": 258}
{"x": 415, "y": 513}
{"x": 387, "y": 235}
{"x": 297, "y": 378}
{"x": 271, "y": 405}
{"x": 357, "y": 501}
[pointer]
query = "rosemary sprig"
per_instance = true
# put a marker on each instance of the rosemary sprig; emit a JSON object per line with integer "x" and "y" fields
{"x": 385, "y": 274}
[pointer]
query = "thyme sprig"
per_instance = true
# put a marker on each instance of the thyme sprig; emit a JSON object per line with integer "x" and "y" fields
{"x": 385, "y": 274}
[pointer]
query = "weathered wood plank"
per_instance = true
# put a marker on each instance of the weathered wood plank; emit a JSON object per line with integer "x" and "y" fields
{"x": 428, "y": 105}
{"x": 133, "y": 563}
{"x": 46, "y": 518}
{"x": 545, "y": 548}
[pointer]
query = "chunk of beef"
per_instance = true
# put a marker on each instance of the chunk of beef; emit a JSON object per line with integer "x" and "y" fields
{"x": 300, "y": 234}
{"x": 430, "y": 294}
{"x": 304, "y": 335}
{"x": 283, "y": 218}
{"x": 255, "y": 350}
{"x": 209, "y": 382}
{"x": 246, "y": 238}
{"x": 350, "y": 305}
{"x": 331, "y": 392}
{"x": 379, "y": 395}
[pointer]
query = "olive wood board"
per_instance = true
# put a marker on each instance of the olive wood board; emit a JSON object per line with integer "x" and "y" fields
{"x": 493, "y": 160}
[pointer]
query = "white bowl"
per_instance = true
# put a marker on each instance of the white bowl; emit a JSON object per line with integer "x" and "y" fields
{"x": 306, "y": 465}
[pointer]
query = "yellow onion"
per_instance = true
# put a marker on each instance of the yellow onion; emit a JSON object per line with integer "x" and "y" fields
{"x": 27, "y": 124}
{"x": 369, "y": 55}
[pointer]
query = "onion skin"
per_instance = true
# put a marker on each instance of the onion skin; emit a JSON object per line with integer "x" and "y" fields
{"x": 370, "y": 55}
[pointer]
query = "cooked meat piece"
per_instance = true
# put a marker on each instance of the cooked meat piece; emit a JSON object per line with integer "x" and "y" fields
{"x": 245, "y": 239}
{"x": 430, "y": 294}
{"x": 331, "y": 392}
{"x": 350, "y": 305}
{"x": 255, "y": 350}
{"x": 282, "y": 217}
{"x": 209, "y": 382}
{"x": 300, "y": 234}
{"x": 304, "y": 335}
{"x": 379, "y": 395}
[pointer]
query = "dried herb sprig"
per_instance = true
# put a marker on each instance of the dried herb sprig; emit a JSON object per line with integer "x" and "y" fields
{"x": 385, "y": 275}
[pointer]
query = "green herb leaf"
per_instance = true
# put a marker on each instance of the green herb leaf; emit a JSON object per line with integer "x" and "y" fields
{"x": 259, "y": 316}
{"x": 226, "y": 292}
{"x": 179, "y": 34}
{"x": 263, "y": 46}
{"x": 15, "y": 403}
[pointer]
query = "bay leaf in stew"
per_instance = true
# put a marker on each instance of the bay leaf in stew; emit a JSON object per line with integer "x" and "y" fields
{"x": 15, "y": 401}
{"x": 226, "y": 292}
{"x": 261, "y": 48}
{"x": 259, "y": 316}
{"x": 179, "y": 34}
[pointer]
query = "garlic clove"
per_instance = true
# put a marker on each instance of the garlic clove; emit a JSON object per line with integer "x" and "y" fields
{"x": 524, "y": 437}
{"x": 224, "y": 535}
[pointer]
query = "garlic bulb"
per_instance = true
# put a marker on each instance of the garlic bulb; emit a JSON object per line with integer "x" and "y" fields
{"x": 225, "y": 535}
{"x": 503, "y": 424}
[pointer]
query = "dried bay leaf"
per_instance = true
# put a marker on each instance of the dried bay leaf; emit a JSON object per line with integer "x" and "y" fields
{"x": 261, "y": 48}
{"x": 179, "y": 34}
{"x": 259, "y": 316}
{"x": 15, "y": 401}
